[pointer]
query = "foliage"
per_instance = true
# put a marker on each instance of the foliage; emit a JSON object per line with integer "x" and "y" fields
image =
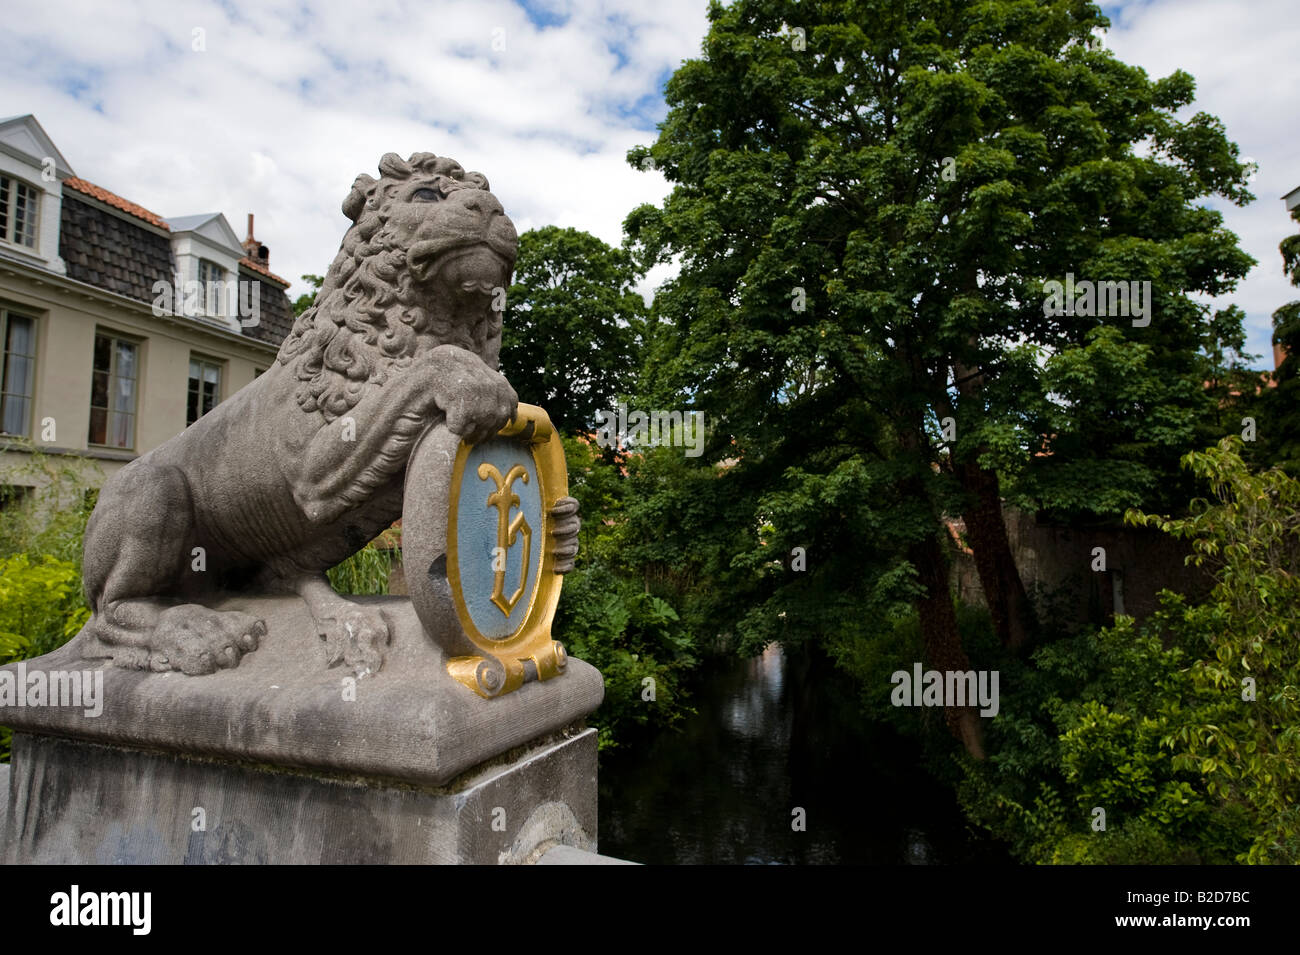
{"x": 637, "y": 642}
{"x": 1154, "y": 724}
{"x": 866, "y": 211}
{"x": 308, "y": 299}
{"x": 572, "y": 325}
{"x": 608, "y": 615}
{"x": 365, "y": 572}
{"x": 41, "y": 607}
{"x": 46, "y": 503}
{"x": 48, "y": 515}
{"x": 1279, "y": 418}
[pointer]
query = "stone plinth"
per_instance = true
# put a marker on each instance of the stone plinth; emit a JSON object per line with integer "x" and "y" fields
{"x": 292, "y": 762}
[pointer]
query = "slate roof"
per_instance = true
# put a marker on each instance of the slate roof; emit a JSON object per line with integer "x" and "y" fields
{"x": 275, "y": 313}
{"x": 107, "y": 251}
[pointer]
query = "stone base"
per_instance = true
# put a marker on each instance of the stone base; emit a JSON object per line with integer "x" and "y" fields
{"x": 76, "y": 802}
{"x": 282, "y": 706}
{"x": 292, "y": 761}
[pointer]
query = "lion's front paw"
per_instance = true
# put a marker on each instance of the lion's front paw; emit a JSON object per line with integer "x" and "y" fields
{"x": 196, "y": 640}
{"x": 356, "y": 637}
{"x": 477, "y": 401}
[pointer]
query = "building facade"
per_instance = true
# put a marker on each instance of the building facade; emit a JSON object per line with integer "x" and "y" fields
{"x": 119, "y": 327}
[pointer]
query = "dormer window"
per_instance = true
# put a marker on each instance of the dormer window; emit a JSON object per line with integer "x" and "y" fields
{"x": 20, "y": 205}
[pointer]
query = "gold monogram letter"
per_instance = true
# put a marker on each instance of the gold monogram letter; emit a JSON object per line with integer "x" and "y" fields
{"x": 507, "y": 530}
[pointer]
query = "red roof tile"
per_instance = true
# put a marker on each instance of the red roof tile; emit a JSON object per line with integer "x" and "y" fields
{"x": 114, "y": 200}
{"x": 262, "y": 269}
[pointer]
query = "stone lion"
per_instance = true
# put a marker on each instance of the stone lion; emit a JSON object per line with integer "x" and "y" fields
{"x": 304, "y": 466}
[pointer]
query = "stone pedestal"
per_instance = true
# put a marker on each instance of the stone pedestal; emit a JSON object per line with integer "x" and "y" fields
{"x": 282, "y": 760}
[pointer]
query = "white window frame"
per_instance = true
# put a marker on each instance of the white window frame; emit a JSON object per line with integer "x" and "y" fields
{"x": 9, "y": 186}
{"x": 211, "y": 307}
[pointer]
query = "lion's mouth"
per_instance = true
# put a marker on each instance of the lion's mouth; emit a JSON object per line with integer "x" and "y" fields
{"x": 428, "y": 257}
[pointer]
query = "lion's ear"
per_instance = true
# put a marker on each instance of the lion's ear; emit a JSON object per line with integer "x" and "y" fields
{"x": 356, "y": 200}
{"x": 395, "y": 166}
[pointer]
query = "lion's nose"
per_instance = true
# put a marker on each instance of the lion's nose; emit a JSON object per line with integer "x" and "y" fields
{"x": 484, "y": 203}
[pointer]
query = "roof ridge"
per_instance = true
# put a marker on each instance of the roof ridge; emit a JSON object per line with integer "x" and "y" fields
{"x": 259, "y": 267}
{"x": 117, "y": 202}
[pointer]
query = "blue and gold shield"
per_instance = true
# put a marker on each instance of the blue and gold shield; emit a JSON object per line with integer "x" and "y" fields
{"x": 500, "y": 575}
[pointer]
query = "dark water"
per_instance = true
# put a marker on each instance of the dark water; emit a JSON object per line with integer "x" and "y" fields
{"x": 773, "y": 734}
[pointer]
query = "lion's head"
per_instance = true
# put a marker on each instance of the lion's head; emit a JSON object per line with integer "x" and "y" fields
{"x": 425, "y": 263}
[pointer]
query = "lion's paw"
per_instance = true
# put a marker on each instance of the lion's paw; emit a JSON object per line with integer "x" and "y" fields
{"x": 196, "y": 640}
{"x": 356, "y": 637}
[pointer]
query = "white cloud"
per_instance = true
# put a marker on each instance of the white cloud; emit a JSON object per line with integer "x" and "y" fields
{"x": 1243, "y": 57}
{"x": 289, "y": 102}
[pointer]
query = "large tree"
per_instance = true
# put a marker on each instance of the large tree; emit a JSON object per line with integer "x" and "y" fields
{"x": 869, "y": 198}
{"x": 573, "y": 323}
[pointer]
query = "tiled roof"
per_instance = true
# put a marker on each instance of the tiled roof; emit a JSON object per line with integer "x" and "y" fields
{"x": 114, "y": 254}
{"x": 109, "y": 252}
{"x": 114, "y": 200}
{"x": 256, "y": 266}
{"x": 275, "y": 313}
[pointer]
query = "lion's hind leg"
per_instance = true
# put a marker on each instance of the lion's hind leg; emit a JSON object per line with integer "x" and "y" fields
{"x": 137, "y": 549}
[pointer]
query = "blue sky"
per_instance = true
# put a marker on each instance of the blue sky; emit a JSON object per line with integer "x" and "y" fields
{"x": 286, "y": 102}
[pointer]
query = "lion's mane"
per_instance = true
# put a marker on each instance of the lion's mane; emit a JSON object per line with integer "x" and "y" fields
{"x": 367, "y": 319}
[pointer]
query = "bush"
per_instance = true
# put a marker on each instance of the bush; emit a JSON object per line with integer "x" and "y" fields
{"x": 631, "y": 637}
{"x": 41, "y": 607}
{"x": 1183, "y": 730}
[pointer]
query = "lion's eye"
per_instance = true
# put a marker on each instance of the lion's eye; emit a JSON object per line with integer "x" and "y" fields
{"x": 430, "y": 195}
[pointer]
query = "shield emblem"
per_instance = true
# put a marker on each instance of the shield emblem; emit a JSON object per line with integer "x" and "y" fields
{"x": 500, "y": 587}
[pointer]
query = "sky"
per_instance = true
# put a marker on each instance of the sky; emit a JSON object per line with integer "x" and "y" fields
{"x": 274, "y": 107}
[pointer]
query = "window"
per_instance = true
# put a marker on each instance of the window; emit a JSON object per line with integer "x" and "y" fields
{"x": 19, "y": 209}
{"x": 210, "y": 273}
{"x": 17, "y": 373}
{"x": 205, "y": 389}
{"x": 112, "y": 392}
{"x": 12, "y": 496}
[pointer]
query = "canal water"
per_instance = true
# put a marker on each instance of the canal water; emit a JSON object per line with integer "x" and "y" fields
{"x": 773, "y": 735}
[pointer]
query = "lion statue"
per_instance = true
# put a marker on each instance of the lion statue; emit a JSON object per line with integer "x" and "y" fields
{"x": 305, "y": 465}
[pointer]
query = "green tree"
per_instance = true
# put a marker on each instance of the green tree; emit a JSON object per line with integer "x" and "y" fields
{"x": 572, "y": 325}
{"x": 869, "y": 198}
{"x": 1279, "y": 427}
{"x": 308, "y": 299}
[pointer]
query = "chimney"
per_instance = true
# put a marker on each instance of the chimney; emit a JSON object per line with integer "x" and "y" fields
{"x": 254, "y": 249}
{"x": 1279, "y": 355}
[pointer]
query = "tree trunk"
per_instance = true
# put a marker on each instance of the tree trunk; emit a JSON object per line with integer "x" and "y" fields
{"x": 942, "y": 640}
{"x": 1008, "y": 602}
{"x": 1004, "y": 591}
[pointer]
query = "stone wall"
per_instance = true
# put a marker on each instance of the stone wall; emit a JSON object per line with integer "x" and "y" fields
{"x": 1056, "y": 562}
